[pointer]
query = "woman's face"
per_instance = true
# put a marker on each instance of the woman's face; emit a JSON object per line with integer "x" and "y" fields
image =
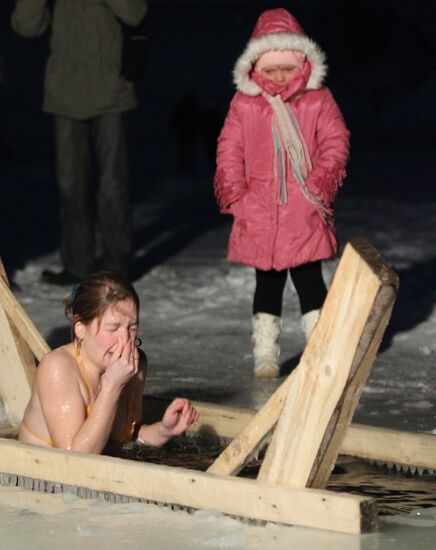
{"x": 118, "y": 323}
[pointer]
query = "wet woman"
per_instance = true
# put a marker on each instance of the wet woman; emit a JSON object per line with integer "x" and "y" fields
{"x": 89, "y": 391}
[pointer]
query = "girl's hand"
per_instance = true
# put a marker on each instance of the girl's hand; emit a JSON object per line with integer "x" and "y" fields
{"x": 180, "y": 414}
{"x": 122, "y": 366}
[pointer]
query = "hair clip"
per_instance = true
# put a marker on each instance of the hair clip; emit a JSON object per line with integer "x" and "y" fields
{"x": 73, "y": 291}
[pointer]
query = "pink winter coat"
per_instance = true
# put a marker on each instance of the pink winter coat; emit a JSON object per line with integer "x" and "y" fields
{"x": 267, "y": 233}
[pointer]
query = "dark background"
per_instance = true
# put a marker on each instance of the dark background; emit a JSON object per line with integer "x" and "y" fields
{"x": 381, "y": 57}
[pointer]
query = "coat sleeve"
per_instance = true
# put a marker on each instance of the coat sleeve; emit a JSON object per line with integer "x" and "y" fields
{"x": 229, "y": 182}
{"x": 332, "y": 152}
{"x": 130, "y": 12}
{"x": 30, "y": 18}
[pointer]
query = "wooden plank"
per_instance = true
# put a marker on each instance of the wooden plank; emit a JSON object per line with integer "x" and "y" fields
{"x": 17, "y": 365}
{"x": 360, "y": 369}
{"x": 3, "y": 271}
{"x": 22, "y": 322}
{"x": 254, "y": 435}
{"x": 361, "y": 441}
{"x": 391, "y": 446}
{"x": 362, "y": 363}
{"x": 332, "y": 371}
{"x": 15, "y": 375}
{"x": 230, "y": 495}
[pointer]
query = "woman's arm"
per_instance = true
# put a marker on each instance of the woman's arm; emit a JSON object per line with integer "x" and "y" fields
{"x": 229, "y": 181}
{"x": 129, "y": 411}
{"x": 332, "y": 151}
{"x": 30, "y": 18}
{"x": 179, "y": 415}
{"x": 64, "y": 406}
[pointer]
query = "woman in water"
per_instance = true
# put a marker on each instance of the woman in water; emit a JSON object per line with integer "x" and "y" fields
{"x": 89, "y": 391}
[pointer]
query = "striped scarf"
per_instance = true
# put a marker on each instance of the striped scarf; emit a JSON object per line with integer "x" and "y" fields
{"x": 289, "y": 140}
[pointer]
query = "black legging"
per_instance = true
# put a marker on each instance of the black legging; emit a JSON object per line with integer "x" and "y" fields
{"x": 308, "y": 282}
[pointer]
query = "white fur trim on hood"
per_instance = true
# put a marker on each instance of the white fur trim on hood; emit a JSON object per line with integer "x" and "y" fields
{"x": 278, "y": 41}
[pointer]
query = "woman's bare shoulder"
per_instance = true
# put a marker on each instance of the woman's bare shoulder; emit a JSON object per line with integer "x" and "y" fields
{"x": 59, "y": 359}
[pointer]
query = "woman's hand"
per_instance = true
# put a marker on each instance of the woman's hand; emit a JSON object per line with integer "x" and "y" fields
{"x": 180, "y": 414}
{"x": 122, "y": 366}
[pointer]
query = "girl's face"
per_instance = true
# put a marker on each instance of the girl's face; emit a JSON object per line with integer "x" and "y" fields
{"x": 281, "y": 75}
{"x": 280, "y": 67}
{"x": 100, "y": 337}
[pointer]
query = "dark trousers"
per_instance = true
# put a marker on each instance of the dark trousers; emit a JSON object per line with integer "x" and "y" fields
{"x": 77, "y": 142}
{"x": 308, "y": 282}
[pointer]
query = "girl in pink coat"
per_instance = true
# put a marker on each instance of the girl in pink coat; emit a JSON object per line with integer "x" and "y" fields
{"x": 281, "y": 158}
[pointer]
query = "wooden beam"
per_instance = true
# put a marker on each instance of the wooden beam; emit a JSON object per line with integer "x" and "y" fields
{"x": 253, "y": 436}
{"x": 3, "y": 271}
{"x": 417, "y": 450}
{"x": 22, "y": 322}
{"x": 361, "y": 441}
{"x": 333, "y": 369}
{"x": 230, "y": 495}
{"x": 15, "y": 375}
{"x": 17, "y": 365}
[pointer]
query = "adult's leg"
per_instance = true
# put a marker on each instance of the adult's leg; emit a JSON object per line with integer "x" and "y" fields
{"x": 73, "y": 162}
{"x": 113, "y": 200}
{"x": 268, "y": 295}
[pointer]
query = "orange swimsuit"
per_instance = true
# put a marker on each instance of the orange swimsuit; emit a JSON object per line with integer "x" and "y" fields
{"x": 129, "y": 426}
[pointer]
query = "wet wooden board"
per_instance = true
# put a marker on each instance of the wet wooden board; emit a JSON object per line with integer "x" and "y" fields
{"x": 17, "y": 365}
{"x": 394, "y": 492}
{"x": 334, "y": 367}
{"x": 179, "y": 486}
{"x": 24, "y": 325}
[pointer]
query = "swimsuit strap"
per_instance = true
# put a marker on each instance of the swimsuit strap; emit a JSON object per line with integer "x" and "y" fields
{"x": 47, "y": 440}
{"x": 85, "y": 377}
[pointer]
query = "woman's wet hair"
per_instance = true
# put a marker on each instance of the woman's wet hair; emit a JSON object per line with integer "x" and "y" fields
{"x": 92, "y": 297}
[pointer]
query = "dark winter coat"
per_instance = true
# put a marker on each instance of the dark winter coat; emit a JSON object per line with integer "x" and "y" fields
{"x": 82, "y": 77}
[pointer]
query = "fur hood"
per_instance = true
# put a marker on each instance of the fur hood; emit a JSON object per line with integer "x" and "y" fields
{"x": 277, "y": 29}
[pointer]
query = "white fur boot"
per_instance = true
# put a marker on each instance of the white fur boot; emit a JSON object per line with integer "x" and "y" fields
{"x": 309, "y": 321}
{"x": 266, "y": 349}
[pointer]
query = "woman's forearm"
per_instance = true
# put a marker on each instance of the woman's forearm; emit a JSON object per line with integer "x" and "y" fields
{"x": 94, "y": 434}
{"x": 153, "y": 434}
